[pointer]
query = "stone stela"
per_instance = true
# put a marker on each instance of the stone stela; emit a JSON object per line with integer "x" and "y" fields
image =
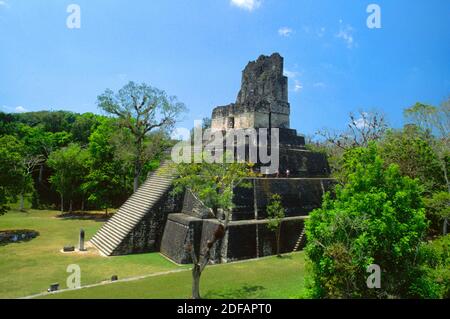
{"x": 154, "y": 220}
{"x": 81, "y": 243}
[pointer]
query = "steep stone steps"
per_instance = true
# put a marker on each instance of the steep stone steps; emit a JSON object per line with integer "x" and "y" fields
{"x": 299, "y": 240}
{"x": 114, "y": 231}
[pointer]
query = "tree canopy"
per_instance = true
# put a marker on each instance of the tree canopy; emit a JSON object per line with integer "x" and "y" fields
{"x": 377, "y": 217}
{"x": 141, "y": 109}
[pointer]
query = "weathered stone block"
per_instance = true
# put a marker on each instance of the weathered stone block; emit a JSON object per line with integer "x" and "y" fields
{"x": 181, "y": 230}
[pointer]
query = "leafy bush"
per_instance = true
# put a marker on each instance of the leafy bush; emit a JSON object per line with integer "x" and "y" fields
{"x": 435, "y": 260}
{"x": 438, "y": 209}
{"x": 275, "y": 215}
{"x": 377, "y": 217}
{"x": 411, "y": 149}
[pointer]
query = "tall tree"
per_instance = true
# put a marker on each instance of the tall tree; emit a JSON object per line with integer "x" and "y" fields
{"x": 412, "y": 150}
{"x": 212, "y": 184}
{"x": 69, "y": 166}
{"x": 141, "y": 109}
{"x": 275, "y": 215}
{"x": 435, "y": 120}
{"x": 83, "y": 126}
{"x": 361, "y": 130}
{"x": 29, "y": 164}
{"x": 11, "y": 170}
{"x": 106, "y": 182}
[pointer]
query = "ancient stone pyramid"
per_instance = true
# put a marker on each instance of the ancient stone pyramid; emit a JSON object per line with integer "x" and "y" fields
{"x": 154, "y": 219}
{"x": 146, "y": 200}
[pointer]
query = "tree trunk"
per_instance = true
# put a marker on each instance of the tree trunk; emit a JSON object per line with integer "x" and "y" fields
{"x": 278, "y": 240}
{"x": 135, "y": 183}
{"x": 137, "y": 174}
{"x": 41, "y": 172}
{"x": 196, "y": 273}
{"x": 22, "y": 208}
{"x": 444, "y": 168}
{"x": 70, "y": 206}
{"x": 62, "y": 204}
{"x": 444, "y": 229}
{"x": 255, "y": 208}
{"x": 82, "y": 205}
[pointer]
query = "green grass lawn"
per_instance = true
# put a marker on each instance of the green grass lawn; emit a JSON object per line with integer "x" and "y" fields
{"x": 28, "y": 268}
{"x": 270, "y": 277}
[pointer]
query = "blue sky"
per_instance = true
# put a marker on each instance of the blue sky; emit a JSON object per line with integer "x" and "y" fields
{"x": 197, "y": 49}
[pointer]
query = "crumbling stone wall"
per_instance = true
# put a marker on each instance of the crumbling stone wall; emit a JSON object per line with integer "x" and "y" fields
{"x": 262, "y": 101}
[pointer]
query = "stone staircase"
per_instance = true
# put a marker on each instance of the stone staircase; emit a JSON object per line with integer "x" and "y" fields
{"x": 113, "y": 232}
{"x": 300, "y": 240}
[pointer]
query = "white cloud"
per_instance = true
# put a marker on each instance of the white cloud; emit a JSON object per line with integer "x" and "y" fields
{"x": 249, "y": 5}
{"x": 285, "y": 31}
{"x": 346, "y": 34}
{"x": 4, "y": 4}
{"x": 362, "y": 122}
{"x": 298, "y": 86}
{"x": 20, "y": 109}
{"x": 293, "y": 75}
{"x": 290, "y": 74}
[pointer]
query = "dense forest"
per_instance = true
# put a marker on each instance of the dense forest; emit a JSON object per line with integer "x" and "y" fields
{"x": 83, "y": 157}
{"x": 69, "y": 161}
{"x": 420, "y": 150}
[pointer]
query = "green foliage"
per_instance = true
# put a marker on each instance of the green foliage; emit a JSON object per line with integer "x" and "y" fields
{"x": 275, "y": 212}
{"x": 434, "y": 119}
{"x": 438, "y": 209}
{"x": 434, "y": 258}
{"x": 376, "y": 217}
{"x": 105, "y": 182}
{"x": 51, "y": 121}
{"x": 70, "y": 165}
{"x": 83, "y": 126}
{"x": 11, "y": 170}
{"x": 108, "y": 178}
{"x": 142, "y": 109}
{"x": 411, "y": 149}
{"x": 212, "y": 183}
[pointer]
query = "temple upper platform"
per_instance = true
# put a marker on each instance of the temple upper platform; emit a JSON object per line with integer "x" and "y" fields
{"x": 262, "y": 101}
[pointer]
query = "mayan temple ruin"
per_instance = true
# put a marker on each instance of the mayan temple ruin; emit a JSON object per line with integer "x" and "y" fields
{"x": 153, "y": 219}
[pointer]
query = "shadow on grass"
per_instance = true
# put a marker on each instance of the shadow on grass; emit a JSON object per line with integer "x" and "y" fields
{"x": 244, "y": 292}
{"x": 17, "y": 236}
{"x": 285, "y": 257}
{"x": 98, "y": 217}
